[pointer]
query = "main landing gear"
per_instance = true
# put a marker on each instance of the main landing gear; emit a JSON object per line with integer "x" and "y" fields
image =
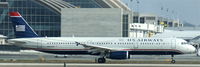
{"x": 101, "y": 60}
{"x": 172, "y": 59}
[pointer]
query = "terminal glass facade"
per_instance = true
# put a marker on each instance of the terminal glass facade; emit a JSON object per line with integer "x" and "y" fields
{"x": 44, "y": 20}
{"x": 87, "y": 3}
{"x": 125, "y": 25}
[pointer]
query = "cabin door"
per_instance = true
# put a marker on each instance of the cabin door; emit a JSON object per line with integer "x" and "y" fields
{"x": 173, "y": 44}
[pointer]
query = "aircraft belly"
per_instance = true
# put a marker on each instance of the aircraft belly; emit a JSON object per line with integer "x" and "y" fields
{"x": 154, "y": 52}
{"x": 130, "y": 52}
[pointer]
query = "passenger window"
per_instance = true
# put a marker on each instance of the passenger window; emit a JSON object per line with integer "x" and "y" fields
{"x": 184, "y": 43}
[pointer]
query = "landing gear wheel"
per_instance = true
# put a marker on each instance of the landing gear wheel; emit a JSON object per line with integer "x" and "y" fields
{"x": 101, "y": 60}
{"x": 197, "y": 52}
{"x": 56, "y": 56}
{"x": 173, "y": 61}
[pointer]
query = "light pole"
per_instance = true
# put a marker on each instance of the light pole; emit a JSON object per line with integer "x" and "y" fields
{"x": 138, "y": 2}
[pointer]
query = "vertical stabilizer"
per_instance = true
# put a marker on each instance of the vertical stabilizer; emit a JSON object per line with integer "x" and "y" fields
{"x": 21, "y": 28}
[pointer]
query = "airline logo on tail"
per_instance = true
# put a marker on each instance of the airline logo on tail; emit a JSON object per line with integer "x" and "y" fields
{"x": 21, "y": 28}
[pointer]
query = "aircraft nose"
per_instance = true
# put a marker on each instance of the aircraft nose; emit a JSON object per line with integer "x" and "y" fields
{"x": 192, "y": 49}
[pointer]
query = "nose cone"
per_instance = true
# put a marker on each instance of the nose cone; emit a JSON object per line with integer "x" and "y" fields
{"x": 191, "y": 49}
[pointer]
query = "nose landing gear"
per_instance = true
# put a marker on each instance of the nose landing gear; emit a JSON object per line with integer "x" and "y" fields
{"x": 172, "y": 59}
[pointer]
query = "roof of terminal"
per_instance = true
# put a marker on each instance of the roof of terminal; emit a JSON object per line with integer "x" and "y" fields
{"x": 59, "y": 4}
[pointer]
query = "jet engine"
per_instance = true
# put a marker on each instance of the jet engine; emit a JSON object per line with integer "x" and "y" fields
{"x": 118, "y": 55}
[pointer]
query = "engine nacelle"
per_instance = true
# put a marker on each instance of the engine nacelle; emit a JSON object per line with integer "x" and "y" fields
{"x": 118, "y": 55}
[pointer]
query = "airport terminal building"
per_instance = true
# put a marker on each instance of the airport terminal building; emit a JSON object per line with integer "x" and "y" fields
{"x": 66, "y": 18}
{"x": 78, "y": 18}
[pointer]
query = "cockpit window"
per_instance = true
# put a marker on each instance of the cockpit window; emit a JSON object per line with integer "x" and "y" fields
{"x": 184, "y": 43}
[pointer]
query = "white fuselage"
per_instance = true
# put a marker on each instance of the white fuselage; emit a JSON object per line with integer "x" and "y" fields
{"x": 144, "y": 46}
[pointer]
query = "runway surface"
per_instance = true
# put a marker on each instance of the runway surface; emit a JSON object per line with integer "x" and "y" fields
{"x": 187, "y": 57}
{"x": 93, "y": 65}
{"x": 141, "y": 59}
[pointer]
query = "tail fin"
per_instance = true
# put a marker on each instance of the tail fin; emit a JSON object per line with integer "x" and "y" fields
{"x": 21, "y": 28}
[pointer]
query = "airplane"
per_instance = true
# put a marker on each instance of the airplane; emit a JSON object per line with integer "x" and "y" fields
{"x": 119, "y": 48}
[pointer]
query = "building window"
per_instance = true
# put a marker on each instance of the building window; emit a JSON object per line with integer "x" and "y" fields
{"x": 135, "y": 19}
{"x": 142, "y": 20}
{"x": 150, "y": 18}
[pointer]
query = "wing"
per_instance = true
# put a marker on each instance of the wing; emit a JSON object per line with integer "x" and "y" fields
{"x": 97, "y": 48}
